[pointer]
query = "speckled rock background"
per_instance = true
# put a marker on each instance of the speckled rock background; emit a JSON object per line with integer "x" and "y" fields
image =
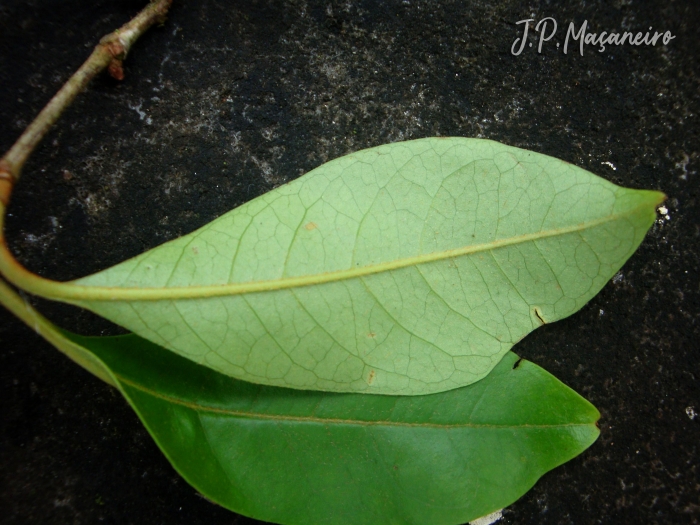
{"x": 231, "y": 98}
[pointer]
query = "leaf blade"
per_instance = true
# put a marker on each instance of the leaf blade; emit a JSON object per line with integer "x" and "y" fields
{"x": 294, "y": 457}
{"x": 405, "y": 269}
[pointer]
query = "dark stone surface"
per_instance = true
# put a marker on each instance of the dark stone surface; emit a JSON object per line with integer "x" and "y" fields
{"x": 230, "y": 99}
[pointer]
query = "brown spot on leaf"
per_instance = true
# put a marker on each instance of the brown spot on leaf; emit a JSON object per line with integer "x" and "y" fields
{"x": 311, "y": 226}
{"x": 370, "y": 378}
{"x": 371, "y": 335}
{"x": 195, "y": 250}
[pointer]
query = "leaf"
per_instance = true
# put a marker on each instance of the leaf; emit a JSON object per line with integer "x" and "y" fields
{"x": 404, "y": 269}
{"x": 299, "y": 457}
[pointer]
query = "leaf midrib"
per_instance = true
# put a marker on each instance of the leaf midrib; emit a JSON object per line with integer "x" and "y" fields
{"x": 334, "y": 421}
{"x": 87, "y": 292}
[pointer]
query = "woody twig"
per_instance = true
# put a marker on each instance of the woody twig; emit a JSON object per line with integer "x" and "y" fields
{"x": 109, "y": 54}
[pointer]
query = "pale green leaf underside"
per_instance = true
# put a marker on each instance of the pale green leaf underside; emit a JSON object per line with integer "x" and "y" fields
{"x": 409, "y": 268}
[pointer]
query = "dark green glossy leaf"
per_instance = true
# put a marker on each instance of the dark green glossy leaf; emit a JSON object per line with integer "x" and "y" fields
{"x": 304, "y": 457}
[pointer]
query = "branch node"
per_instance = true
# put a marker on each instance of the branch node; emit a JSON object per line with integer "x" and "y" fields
{"x": 117, "y": 51}
{"x": 115, "y": 69}
{"x": 7, "y": 181}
